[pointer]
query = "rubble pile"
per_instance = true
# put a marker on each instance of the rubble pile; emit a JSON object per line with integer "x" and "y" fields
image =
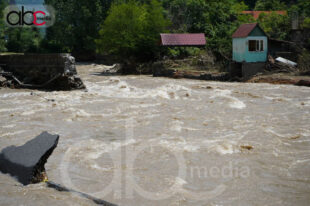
{"x": 39, "y": 71}
{"x": 280, "y": 65}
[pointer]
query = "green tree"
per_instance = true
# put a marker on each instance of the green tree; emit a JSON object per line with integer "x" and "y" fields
{"x": 306, "y": 23}
{"x": 2, "y": 27}
{"x": 131, "y": 31}
{"x": 186, "y": 15}
{"x": 77, "y": 25}
{"x": 275, "y": 25}
{"x": 303, "y": 8}
{"x": 23, "y": 39}
{"x": 250, "y": 3}
{"x": 269, "y": 5}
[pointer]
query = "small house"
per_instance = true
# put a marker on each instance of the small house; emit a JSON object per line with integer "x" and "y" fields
{"x": 250, "y": 44}
{"x": 183, "y": 40}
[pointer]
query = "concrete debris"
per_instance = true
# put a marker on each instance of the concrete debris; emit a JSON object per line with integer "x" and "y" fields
{"x": 26, "y": 162}
{"x": 40, "y": 71}
{"x": 280, "y": 65}
{"x": 114, "y": 69}
{"x": 286, "y": 61}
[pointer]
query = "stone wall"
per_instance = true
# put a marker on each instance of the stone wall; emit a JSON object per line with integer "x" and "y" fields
{"x": 235, "y": 69}
{"x": 251, "y": 69}
{"x": 38, "y": 69}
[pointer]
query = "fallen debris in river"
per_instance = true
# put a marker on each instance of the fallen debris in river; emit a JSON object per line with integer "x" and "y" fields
{"x": 246, "y": 147}
{"x": 61, "y": 188}
{"x": 26, "y": 162}
{"x": 39, "y": 71}
{"x": 295, "y": 137}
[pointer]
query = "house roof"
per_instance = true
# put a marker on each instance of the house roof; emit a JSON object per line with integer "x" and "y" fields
{"x": 244, "y": 30}
{"x": 256, "y": 14}
{"x": 183, "y": 39}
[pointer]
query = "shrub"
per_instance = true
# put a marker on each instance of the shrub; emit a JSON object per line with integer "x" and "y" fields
{"x": 303, "y": 62}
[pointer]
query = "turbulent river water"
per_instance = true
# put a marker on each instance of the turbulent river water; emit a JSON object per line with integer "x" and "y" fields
{"x": 139, "y": 140}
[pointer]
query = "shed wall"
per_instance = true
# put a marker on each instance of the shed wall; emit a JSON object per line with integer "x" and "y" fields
{"x": 257, "y": 56}
{"x": 241, "y": 51}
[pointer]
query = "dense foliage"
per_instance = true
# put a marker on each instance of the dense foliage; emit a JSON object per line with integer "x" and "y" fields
{"x": 269, "y": 5}
{"x": 2, "y": 27}
{"x": 77, "y": 25}
{"x": 276, "y": 26}
{"x": 24, "y": 40}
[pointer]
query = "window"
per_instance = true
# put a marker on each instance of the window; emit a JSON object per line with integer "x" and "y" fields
{"x": 256, "y": 45}
{"x": 252, "y": 45}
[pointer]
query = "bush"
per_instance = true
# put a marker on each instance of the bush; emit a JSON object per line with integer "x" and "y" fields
{"x": 275, "y": 25}
{"x": 181, "y": 52}
{"x": 306, "y": 23}
{"x": 174, "y": 53}
{"x": 303, "y": 62}
{"x": 2, "y": 27}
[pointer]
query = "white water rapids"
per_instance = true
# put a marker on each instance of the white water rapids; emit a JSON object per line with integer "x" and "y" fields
{"x": 139, "y": 140}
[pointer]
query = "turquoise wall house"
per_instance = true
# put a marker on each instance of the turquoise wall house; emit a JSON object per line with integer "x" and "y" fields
{"x": 250, "y": 44}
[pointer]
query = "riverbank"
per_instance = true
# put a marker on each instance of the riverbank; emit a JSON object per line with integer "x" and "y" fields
{"x": 213, "y": 72}
{"x": 176, "y": 71}
{"x": 280, "y": 78}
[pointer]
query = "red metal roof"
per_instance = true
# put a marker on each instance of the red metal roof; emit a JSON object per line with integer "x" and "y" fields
{"x": 183, "y": 39}
{"x": 256, "y": 14}
{"x": 244, "y": 30}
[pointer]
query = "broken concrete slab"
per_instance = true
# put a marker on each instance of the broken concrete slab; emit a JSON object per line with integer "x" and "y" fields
{"x": 26, "y": 162}
{"x": 40, "y": 71}
{"x": 286, "y": 62}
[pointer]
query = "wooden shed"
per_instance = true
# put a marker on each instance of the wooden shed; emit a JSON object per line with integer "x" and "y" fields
{"x": 250, "y": 44}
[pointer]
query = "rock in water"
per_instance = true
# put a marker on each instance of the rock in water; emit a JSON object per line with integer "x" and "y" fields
{"x": 26, "y": 162}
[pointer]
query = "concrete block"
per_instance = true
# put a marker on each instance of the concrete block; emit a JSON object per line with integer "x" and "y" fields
{"x": 26, "y": 163}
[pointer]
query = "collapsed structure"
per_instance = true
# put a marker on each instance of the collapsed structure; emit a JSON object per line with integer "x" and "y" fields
{"x": 40, "y": 71}
{"x": 26, "y": 162}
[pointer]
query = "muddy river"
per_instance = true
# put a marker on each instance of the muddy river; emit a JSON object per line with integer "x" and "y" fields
{"x": 138, "y": 140}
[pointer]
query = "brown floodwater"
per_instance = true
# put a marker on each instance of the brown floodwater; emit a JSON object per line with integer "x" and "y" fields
{"x": 139, "y": 140}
